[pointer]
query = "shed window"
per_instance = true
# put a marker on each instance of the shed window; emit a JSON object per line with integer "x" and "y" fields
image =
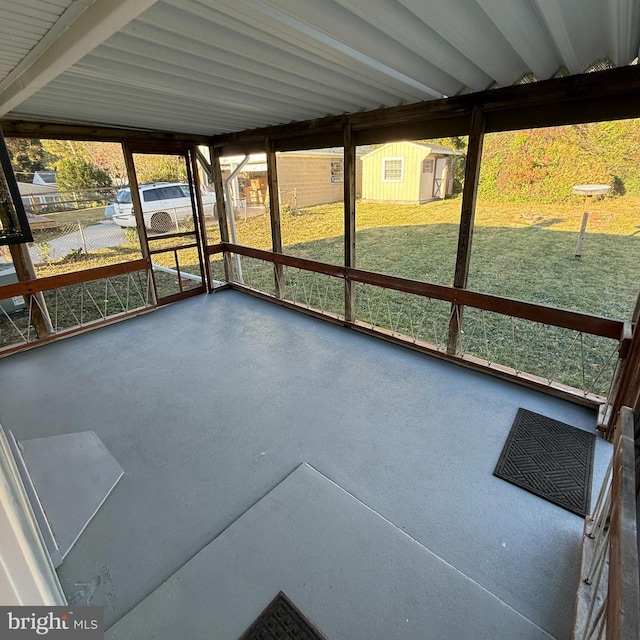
{"x": 393, "y": 169}
{"x": 337, "y": 171}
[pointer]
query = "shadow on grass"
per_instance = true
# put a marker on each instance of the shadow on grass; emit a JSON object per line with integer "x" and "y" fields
{"x": 538, "y": 265}
{"x": 79, "y": 261}
{"x": 549, "y": 222}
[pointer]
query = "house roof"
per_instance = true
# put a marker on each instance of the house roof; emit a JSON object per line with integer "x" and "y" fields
{"x": 216, "y": 66}
{"x": 29, "y": 189}
{"x": 258, "y": 161}
{"x": 332, "y": 151}
{"x": 45, "y": 178}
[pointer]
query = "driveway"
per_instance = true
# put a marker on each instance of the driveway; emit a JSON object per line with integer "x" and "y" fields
{"x": 97, "y": 236}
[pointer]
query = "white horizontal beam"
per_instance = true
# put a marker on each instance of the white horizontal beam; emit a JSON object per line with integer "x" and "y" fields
{"x": 72, "y": 37}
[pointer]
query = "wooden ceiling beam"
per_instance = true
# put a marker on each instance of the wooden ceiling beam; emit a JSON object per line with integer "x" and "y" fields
{"x": 14, "y": 128}
{"x": 604, "y": 95}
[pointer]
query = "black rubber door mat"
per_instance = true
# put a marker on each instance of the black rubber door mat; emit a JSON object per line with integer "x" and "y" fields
{"x": 550, "y": 459}
{"x": 281, "y": 620}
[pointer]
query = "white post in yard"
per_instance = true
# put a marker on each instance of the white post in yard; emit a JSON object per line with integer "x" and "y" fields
{"x": 588, "y": 191}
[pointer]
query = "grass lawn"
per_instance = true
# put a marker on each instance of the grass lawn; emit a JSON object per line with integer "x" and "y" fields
{"x": 517, "y": 252}
{"x": 520, "y": 251}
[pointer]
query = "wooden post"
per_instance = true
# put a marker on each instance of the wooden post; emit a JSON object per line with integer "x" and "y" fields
{"x": 20, "y": 252}
{"x": 583, "y": 226}
{"x": 349, "y": 174}
{"x": 274, "y": 208}
{"x": 467, "y": 217}
{"x": 635, "y": 316}
{"x": 221, "y": 206}
{"x": 623, "y": 593}
{"x": 137, "y": 211}
{"x": 195, "y": 177}
{"x": 628, "y": 389}
{"x": 36, "y": 302}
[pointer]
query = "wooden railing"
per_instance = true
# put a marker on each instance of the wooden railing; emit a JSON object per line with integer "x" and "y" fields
{"x": 49, "y": 283}
{"x": 42, "y": 317}
{"x": 608, "y": 596}
{"x": 596, "y": 325}
{"x": 458, "y": 299}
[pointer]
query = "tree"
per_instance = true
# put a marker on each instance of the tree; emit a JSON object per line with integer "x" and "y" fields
{"x": 159, "y": 168}
{"x": 108, "y": 156}
{"x": 76, "y": 172}
{"x": 149, "y": 167}
{"x": 71, "y": 157}
{"x": 74, "y": 166}
{"x": 27, "y": 157}
{"x": 59, "y": 149}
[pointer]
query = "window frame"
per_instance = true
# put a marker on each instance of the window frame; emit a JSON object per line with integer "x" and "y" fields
{"x": 337, "y": 176}
{"x": 384, "y": 168}
{"x": 22, "y": 233}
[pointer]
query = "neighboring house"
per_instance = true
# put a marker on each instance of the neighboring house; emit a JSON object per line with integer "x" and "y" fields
{"x": 305, "y": 178}
{"x": 314, "y": 177}
{"x": 408, "y": 172}
{"x": 38, "y": 195}
{"x": 45, "y": 178}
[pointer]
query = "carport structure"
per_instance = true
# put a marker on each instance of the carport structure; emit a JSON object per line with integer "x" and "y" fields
{"x": 207, "y": 79}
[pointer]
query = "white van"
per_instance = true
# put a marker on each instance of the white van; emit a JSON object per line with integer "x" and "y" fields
{"x": 164, "y": 205}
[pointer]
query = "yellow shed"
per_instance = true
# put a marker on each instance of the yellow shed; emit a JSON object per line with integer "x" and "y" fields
{"x": 408, "y": 172}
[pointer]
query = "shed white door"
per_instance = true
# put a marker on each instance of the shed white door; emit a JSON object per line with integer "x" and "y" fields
{"x": 426, "y": 179}
{"x": 439, "y": 188}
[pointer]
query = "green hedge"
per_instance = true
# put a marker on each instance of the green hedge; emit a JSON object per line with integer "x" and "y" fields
{"x": 543, "y": 165}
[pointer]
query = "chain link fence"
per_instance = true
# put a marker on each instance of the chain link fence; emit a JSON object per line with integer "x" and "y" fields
{"x": 48, "y": 199}
{"x": 73, "y": 239}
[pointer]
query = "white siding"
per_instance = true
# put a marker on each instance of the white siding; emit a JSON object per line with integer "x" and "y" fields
{"x": 23, "y": 24}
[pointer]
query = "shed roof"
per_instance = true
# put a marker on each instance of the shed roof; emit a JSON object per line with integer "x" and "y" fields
{"x": 428, "y": 148}
{"x": 216, "y": 66}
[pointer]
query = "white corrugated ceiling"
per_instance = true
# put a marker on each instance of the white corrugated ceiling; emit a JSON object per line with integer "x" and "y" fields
{"x": 214, "y": 66}
{"x": 23, "y": 25}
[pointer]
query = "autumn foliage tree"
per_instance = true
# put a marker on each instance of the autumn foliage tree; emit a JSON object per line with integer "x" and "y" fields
{"x": 149, "y": 167}
{"x": 160, "y": 168}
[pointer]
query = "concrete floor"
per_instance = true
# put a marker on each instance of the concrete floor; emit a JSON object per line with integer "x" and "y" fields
{"x": 410, "y": 592}
{"x": 210, "y": 403}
